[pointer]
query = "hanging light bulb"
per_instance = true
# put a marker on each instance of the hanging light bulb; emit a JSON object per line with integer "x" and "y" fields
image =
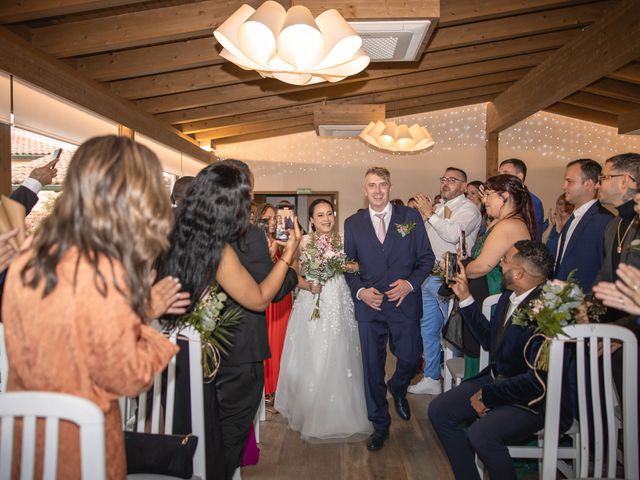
{"x": 291, "y": 45}
{"x": 397, "y": 138}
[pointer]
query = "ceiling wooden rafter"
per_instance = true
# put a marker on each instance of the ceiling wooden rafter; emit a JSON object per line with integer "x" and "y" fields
{"x": 161, "y": 56}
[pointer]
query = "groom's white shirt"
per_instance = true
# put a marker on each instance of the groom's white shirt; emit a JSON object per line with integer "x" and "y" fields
{"x": 376, "y": 223}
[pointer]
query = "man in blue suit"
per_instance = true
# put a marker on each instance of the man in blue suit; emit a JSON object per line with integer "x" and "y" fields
{"x": 391, "y": 246}
{"x": 502, "y": 400}
{"x": 517, "y": 168}
{"x": 581, "y": 242}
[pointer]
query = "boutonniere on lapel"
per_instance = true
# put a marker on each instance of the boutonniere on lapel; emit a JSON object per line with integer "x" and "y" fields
{"x": 634, "y": 246}
{"x": 405, "y": 229}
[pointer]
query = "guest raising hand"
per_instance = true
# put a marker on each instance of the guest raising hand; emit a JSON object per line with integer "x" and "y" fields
{"x": 84, "y": 283}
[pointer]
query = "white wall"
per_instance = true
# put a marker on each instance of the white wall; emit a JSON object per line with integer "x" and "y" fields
{"x": 546, "y": 142}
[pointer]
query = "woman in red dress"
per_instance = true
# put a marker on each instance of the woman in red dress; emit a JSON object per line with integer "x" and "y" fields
{"x": 278, "y": 312}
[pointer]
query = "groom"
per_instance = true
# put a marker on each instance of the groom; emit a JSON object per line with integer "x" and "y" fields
{"x": 392, "y": 249}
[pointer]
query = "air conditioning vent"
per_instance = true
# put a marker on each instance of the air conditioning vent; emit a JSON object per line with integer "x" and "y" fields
{"x": 340, "y": 131}
{"x": 393, "y": 40}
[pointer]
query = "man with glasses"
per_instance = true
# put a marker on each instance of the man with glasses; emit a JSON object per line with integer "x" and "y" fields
{"x": 517, "y": 168}
{"x": 618, "y": 185}
{"x": 444, "y": 223}
{"x": 581, "y": 242}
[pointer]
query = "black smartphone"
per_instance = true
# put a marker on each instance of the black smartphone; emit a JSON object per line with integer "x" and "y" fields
{"x": 55, "y": 155}
{"x": 450, "y": 266}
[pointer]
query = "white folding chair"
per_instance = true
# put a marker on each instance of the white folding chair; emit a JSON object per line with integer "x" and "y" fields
{"x": 52, "y": 407}
{"x": 591, "y": 337}
{"x": 4, "y": 362}
{"x": 197, "y": 404}
{"x": 454, "y": 366}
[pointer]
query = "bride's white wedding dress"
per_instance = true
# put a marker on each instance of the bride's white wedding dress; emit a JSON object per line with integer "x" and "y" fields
{"x": 321, "y": 387}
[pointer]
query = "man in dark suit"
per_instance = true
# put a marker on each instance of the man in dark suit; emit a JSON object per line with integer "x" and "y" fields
{"x": 498, "y": 399}
{"x": 517, "y": 168}
{"x": 240, "y": 380}
{"x": 581, "y": 242}
{"x": 391, "y": 246}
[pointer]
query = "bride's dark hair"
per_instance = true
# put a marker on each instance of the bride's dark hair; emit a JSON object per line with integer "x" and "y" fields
{"x": 313, "y": 206}
{"x": 214, "y": 213}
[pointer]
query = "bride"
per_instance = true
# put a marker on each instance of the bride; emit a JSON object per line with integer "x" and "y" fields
{"x": 321, "y": 388}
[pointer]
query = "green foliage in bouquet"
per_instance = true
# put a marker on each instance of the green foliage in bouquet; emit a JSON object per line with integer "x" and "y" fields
{"x": 214, "y": 322}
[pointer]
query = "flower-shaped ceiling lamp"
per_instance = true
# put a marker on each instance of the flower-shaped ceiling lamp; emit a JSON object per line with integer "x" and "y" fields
{"x": 397, "y": 138}
{"x": 290, "y": 45}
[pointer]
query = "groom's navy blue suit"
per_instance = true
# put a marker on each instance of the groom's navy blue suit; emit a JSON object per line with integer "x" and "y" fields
{"x": 398, "y": 258}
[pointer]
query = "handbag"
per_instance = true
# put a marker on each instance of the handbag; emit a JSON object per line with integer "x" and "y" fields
{"x": 160, "y": 454}
{"x": 456, "y": 332}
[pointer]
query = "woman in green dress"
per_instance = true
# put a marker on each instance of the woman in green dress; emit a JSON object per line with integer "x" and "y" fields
{"x": 508, "y": 203}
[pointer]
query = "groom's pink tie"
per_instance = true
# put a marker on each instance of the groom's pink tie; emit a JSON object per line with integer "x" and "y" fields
{"x": 382, "y": 230}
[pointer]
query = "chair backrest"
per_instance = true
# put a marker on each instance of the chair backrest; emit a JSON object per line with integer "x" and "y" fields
{"x": 4, "y": 362}
{"x": 595, "y": 380}
{"x": 196, "y": 395}
{"x": 53, "y": 407}
{"x": 487, "y": 306}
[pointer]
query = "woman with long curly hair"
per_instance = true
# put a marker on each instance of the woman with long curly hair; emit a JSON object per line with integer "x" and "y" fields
{"x": 215, "y": 212}
{"x": 508, "y": 204}
{"x": 78, "y": 298}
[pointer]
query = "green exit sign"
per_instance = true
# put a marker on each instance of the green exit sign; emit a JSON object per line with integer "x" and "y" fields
{"x": 304, "y": 191}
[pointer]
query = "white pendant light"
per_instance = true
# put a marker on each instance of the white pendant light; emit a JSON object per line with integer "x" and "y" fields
{"x": 290, "y": 45}
{"x": 397, "y": 138}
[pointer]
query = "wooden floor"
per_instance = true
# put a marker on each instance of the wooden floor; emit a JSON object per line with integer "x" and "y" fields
{"x": 412, "y": 452}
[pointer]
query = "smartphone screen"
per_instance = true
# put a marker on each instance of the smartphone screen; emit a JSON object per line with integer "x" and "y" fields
{"x": 284, "y": 222}
{"x": 55, "y": 155}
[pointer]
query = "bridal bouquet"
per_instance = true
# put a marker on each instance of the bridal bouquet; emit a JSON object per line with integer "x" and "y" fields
{"x": 321, "y": 258}
{"x": 213, "y": 321}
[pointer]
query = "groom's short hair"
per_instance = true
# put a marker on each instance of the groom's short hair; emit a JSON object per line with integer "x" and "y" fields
{"x": 381, "y": 172}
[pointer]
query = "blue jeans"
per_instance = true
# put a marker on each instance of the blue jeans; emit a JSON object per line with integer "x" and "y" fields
{"x": 434, "y": 311}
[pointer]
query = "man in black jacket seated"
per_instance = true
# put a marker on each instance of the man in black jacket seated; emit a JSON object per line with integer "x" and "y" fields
{"x": 497, "y": 399}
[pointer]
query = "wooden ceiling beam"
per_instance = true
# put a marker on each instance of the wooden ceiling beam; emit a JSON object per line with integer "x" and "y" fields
{"x": 398, "y": 107}
{"x": 156, "y": 59}
{"x": 605, "y": 47}
{"x": 607, "y": 87}
{"x": 375, "y": 9}
{"x": 628, "y": 73}
{"x": 600, "y": 103}
{"x": 629, "y": 123}
{"x": 397, "y": 84}
{"x": 156, "y": 25}
{"x": 12, "y": 11}
{"x": 222, "y": 75}
{"x": 21, "y": 59}
{"x": 582, "y": 113}
{"x": 455, "y": 12}
{"x": 305, "y": 127}
{"x": 167, "y": 24}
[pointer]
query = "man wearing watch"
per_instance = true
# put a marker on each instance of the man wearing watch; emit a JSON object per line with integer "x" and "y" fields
{"x": 503, "y": 399}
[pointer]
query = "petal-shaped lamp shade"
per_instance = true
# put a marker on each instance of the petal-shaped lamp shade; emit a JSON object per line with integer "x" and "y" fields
{"x": 291, "y": 45}
{"x": 389, "y": 136}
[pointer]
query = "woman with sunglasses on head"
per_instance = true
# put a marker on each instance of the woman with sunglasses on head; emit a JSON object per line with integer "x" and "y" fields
{"x": 508, "y": 205}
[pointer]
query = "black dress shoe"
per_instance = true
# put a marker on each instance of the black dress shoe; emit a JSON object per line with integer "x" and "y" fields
{"x": 401, "y": 403}
{"x": 376, "y": 439}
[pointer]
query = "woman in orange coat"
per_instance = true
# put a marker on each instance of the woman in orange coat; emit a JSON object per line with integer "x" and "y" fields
{"x": 76, "y": 300}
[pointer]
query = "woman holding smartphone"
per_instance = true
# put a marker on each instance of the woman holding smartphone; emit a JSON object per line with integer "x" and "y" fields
{"x": 277, "y": 312}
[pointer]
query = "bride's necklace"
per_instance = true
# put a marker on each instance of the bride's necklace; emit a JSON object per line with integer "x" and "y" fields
{"x": 619, "y": 240}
